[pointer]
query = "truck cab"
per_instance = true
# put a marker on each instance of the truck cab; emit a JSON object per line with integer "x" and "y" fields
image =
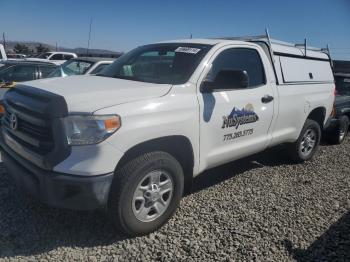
{"x": 132, "y": 138}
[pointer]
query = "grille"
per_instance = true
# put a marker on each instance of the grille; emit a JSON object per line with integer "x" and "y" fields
{"x": 30, "y": 130}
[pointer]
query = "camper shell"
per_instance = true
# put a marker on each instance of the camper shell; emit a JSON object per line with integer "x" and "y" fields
{"x": 293, "y": 63}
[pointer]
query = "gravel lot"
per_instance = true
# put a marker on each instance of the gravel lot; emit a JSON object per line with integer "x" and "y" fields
{"x": 260, "y": 208}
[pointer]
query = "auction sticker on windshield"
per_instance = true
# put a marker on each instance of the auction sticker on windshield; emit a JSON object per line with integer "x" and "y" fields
{"x": 188, "y": 50}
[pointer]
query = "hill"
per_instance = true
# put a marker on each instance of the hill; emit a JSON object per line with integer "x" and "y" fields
{"x": 78, "y": 50}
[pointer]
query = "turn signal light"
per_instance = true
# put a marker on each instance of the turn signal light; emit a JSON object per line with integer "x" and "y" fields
{"x": 112, "y": 124}
{"x": 2, "y": 110}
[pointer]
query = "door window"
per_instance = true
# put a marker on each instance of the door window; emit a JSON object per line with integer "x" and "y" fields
{"x": 46, "y": 70}
{"x": 57, "y": 57}
{"x": 240, "y": 59}
{"x": 67, "y": 57}
{"x": 98, "y": 69}
{"x": 19, "y": 73}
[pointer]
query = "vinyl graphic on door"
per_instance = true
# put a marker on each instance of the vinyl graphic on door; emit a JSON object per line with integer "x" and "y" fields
{"x": 240, "y": 117}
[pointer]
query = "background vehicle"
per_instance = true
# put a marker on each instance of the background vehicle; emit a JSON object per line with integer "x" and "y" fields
{"x": 54, "y": 57}
{"x": 82, "y": 66}
{"x": 16, "y": 56}
{"x": 339, "y": 127}
{"x": 12, "y": 72}
{"x": 2, "y": 53}
{"x": 132, "y": 138}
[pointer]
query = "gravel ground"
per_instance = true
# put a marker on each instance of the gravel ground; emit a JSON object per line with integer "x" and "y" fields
{"x": 260, "y": 208}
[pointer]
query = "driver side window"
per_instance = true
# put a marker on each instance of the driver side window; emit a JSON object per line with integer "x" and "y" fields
{"x": 244, "y": 59}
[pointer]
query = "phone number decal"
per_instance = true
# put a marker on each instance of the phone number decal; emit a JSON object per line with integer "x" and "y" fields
{"x": 238, "y": 134}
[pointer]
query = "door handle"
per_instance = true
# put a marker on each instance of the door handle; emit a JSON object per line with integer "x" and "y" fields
{"x": 266, "y": 99}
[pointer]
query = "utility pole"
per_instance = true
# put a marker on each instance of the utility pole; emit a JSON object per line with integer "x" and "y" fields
{"x": 4, "y": 40}
{"x": 88, "y": 46}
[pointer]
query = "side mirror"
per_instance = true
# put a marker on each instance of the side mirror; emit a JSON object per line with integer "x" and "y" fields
{"x": 226, "y": 80}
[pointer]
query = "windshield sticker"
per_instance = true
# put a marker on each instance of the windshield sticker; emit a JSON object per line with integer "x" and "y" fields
{"x": 240, "y": 117}
{"x": 187, "y": 50}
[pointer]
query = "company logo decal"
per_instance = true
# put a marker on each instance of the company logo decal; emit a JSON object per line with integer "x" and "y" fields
{"x": 240, "y": 117}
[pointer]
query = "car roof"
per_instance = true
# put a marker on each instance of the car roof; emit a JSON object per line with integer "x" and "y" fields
{"x": 94, "y": 59}
{"x": 25, "y": 62}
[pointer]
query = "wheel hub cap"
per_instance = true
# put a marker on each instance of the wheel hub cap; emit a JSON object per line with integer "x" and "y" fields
{"x": 152, "y": 196}
{"x": 308, "y": 142}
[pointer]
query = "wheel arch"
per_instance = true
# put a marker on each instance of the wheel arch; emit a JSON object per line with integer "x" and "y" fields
{"x": 319, "y": 115}
{"x": 180, "y": 147}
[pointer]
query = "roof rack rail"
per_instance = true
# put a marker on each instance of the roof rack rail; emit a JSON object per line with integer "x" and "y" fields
{"x": 266, "y": 37}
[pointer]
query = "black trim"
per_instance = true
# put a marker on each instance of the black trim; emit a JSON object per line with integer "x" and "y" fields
{"x": 57, "y": 189}
{"x": 301, "y": 56}
{"x": 45, "y": 109}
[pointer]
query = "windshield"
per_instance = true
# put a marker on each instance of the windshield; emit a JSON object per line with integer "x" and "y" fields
{"x": 172, "y": 63}
{"x": 44, "y": 55}
{"x": 71, "y": 67}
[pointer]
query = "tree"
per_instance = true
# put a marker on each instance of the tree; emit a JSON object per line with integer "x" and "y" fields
{"x": 21, "y": 49}
{"x": 42, "y": 49}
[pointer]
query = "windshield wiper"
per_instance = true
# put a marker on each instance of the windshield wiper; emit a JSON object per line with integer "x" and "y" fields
{"x": 133, "y": 78}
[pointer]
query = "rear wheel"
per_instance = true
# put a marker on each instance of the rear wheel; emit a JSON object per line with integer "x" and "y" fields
{"x": 338, "y": 135}
{"x": 305, "y": 147}
{"x": 145, "y": 193}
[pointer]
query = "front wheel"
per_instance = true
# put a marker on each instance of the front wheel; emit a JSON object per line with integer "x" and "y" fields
{"x": 145, "y": 193}
{"x": 309, "y": 139}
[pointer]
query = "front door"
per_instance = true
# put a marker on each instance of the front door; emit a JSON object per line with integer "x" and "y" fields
{"x": 235, "y": 123}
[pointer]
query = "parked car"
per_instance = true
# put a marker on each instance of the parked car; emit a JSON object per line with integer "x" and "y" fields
{"x": 16, "y": 56}
{"x": 12, "y": 72}
{"x": 338, "y": 130}
{"x": 82, "y": 66}
{"x": 54, "y": 57}
{"x": 132, "y": 138}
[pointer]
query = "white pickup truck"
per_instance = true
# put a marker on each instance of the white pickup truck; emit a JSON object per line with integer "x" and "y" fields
{"x": 132, "y": 138}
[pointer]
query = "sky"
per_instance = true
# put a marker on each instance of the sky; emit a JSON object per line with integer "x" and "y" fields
{"x": 123, "y": 25}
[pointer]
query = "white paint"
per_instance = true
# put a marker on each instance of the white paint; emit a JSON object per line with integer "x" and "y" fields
{"x": 151, "y": 111}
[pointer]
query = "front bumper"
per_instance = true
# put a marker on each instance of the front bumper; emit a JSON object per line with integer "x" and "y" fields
{"x": 57, "y": 189}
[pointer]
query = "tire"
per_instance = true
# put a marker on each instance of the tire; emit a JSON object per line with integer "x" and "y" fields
{"x": 338, "y": 135}
{"x": 304, "y": 148}
{"x": 134, "y": 204}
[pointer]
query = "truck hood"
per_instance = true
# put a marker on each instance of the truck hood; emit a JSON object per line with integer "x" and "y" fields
{"x": 90, "y": 93}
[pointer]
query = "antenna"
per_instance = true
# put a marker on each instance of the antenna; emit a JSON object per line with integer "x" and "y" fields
{"x": 305, "y": 46}
{"x": 88, "y": 46}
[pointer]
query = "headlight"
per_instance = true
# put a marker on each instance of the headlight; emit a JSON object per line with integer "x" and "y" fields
{"x": 87, "y": 130}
